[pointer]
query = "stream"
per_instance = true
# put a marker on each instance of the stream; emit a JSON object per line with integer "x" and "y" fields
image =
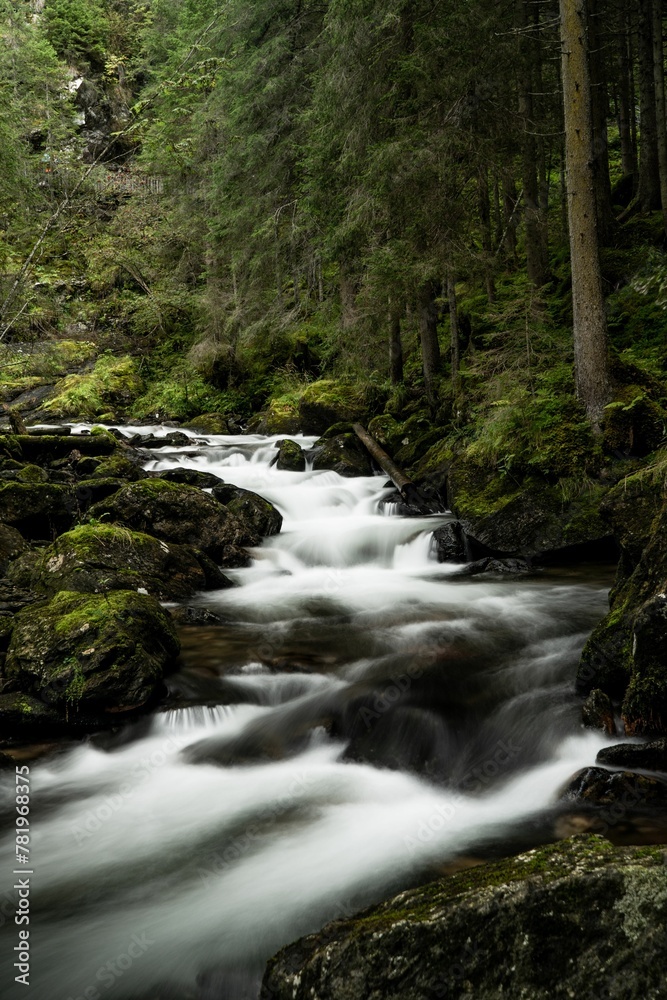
{"x": 362, "y": 719}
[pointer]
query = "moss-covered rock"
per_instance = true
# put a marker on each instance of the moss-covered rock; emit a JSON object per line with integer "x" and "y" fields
{"x": 577, "y": 919}
{"x": 291, "y": 457}
{"x": 633, "y": 423}
{"x": 40, "y": 449}
{"x": 387, "y": 431}
{"x": 92, "y": 654}
{"x": 528, "y": 517}
{"x": 31, "y": 474}
{"x": 342, "y": 454}
{"x": 209, "y": 423}
{"x": 110, "y": 387}
{"x": 191, "y": 477}
{"x": 259, "y": 515}
{"x": 23, "y": 716}
{"x": 281, "y": 417}
{"x": 96, "y": 559}
{"x": 118, "y": 467}
{"x": 182, "y": 514}
{"x": 328, "y": 402}
{"x": 37, "y": 510}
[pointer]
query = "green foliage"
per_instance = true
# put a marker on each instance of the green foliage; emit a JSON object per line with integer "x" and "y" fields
{"x": 111, "y": 385}
{"x": 77, "y": 29}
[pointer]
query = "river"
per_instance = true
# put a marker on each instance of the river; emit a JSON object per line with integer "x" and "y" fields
{"x": 362, "y": 718}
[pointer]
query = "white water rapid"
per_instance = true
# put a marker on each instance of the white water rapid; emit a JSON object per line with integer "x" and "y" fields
{"x": 363, "y": 717}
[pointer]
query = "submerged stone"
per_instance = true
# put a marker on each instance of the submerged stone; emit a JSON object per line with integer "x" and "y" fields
{"x": 259, "y": 515}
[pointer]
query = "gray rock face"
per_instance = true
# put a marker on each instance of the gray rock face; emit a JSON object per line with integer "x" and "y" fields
{"x": 576, "y": 919}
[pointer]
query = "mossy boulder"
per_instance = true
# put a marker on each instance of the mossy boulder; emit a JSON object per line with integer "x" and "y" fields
{"x": 12, "y": 544}
{"x": 191, "y": 477}
{"x": 259, "y": 515}
{"x": 576, "y": 919}
{"x": 43, "y": 449}
{"x": 99, "y": 655}
{"x": 209, "y": 423}
{"x": 109, "y": 387}
{"x": 37, "y": 510}
{"x": 343, "y": 454}
{"x": 96, "y": 559}
{"x": 329, "y": 402}
{"x": 291, "y": 457}
{"x": 527, "y": 517}
{"x": 90, "y": 491}
{"x": 182, "y": 514}
{"x": 118, "y": 467}
{"x": 23, "y": 716}
{"x": 387, "y": 431}
{"x": 633, "y": 423}
{"x": 281, "y": 417}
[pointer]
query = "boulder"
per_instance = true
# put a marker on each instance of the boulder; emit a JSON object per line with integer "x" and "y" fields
{"x": 96, "y": 559}
{"x": 209, "y": 423}
{"x": 291, "y": 457}
{"x": 326, "y": 402}
{"x": 191, "y": 477}
{"x": 281, "y": 417}
{"x": 575, "y": 919}
{"x": 342, "y": 454}
{"x": 37, "y": 510}
{"x": 181, "y": 514}
{"x": 118, "y": 467}
{"x": 647, "y": 756}
{"x": 90, "y": 491}
{"x": 259, "y": 515}
{"x": 449, "y": 543}
{"x": 100, "y": 654}
{"x": 625, "y": 789}
{"x": 12, "y": 544}
{"x": 42, "y": 449}
{"x": 23, "y": 716}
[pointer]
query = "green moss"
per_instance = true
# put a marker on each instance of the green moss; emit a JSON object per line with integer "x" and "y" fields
{"x": 112, "y": 383}
{"x": 282, "y": 414}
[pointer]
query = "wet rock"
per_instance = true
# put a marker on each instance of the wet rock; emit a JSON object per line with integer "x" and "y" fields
{"x": 342, "y": 454}
{"x": 37, "y": 510}
{"x": 501, "y": 567}
{"x": 191, "y": 477}
{"x": 387, "y": 431}
{"x": 87, "y": 466}
{"x": 449, "y": 543}
{"x": 181, "y": 514}
{"x": 195, "y": 616}
{"x": 96, "y": 559}
{"x": 208, "y": 423}
{"x": 576, "y": 919}
{"x": 90, "y": 491}
{"x": 291, "y": 457}
{"x": 259, "y": 515}
{"x": 12, "y": 544}
{"x": 49, "y": 448}
{"x": 92, "y": 654}
{"x": 647, "y": 756}
{"x": 24, "y": 716}
{"x": 623, "y": 789}
{"x": 598, "y": 712}
{"x": 326, "y": 402}
{"x": 405, "y": 738}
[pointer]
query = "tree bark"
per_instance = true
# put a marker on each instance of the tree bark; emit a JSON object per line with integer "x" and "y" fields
{"x": 590, "y": 326}
{"x": 626, "y": 109}
{"x": 484, "y": 203}
{"x": 428, "y": 335}
{"x": 659, "y": 82}
{"x": 649, "y": 174}
{"x": 599, "y": 111}
{"x": 535, "y": 263}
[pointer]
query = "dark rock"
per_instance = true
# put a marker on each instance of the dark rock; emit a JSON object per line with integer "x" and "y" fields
{"x": 191, "y": 477}
{"x": 405, "y": 738}
{"x": 37, "y": 510}
{"x": 449, "y": 543}
{"x": 181, "y": 514}
{"x": 61, "y": 431}
{"x": 90, "y": 491}
{"x": 291, "y": 457}
{"x": 24, "y": 716}
{"x": 645, "y": 704}
{"x": 598, "y": 712}
{"x": 258, "y": 514}
{"x": 50, "y": 448}
{"x": 342, "y": 454}
{"x": 626, "y": 789}
{"x": 633, "y": 424}
{"x": 502, "y": 567}
{"x": 87, "y": 466}
{"x": 119, "y": 467}
{"x": 576, "y": 919}
{"x": 12, "y": 544}
{"x": 97, "y": 559}
{"x": 195, "y": 616}
{"x": 647, "y": 756}
{"x": 97, "y": 654}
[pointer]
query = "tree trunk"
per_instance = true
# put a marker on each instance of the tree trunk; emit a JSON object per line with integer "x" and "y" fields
{"x": 599, "y": 110}
{"x": 428, "y": 335}
{"x": 395, "y": 345}
{"x": 348, "y": 299}
{"x": 659, "y": 81}
{"x": 626, "y": 109}
{"x": 484, "y": 203}
{"x": 590, "y": 327}
{"x": 649, "y": 174}
{"x": 454, "y": 331}
{"x": 535, "y": 263}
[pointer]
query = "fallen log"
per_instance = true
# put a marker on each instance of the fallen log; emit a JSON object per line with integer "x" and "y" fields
{"x": 409, "y": 491}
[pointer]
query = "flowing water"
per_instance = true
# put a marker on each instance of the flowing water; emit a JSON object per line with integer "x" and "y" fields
{"x": 362, "y": 717}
